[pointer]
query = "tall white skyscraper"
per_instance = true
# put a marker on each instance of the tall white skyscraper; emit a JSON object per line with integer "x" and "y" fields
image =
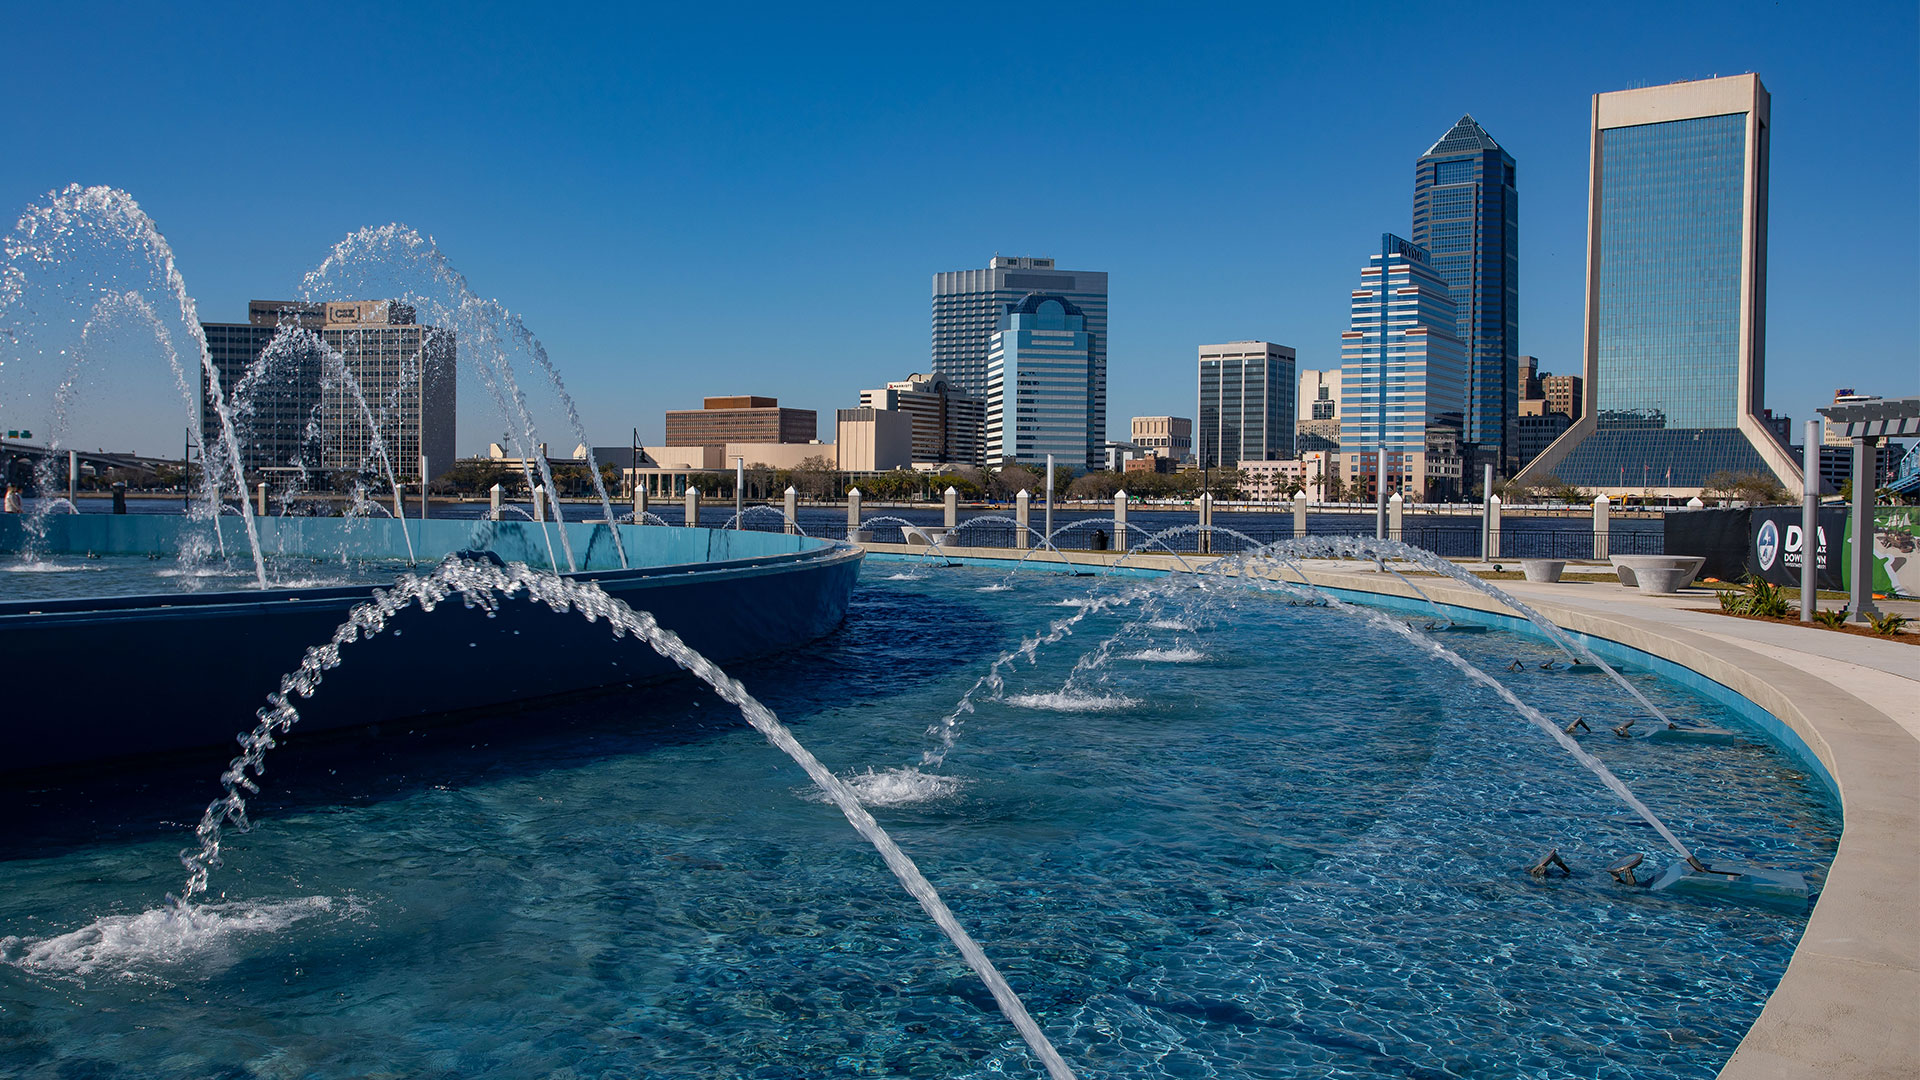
{"x": 1403, "y": 378}
{"x": 969, "y": 306}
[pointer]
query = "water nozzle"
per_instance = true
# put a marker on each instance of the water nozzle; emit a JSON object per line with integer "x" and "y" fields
{"x": 1625, "y": 730}
{"x": 1578, "y": 723}
{"x": 1516, "y": 666}
{"x": 1548, "y": 861}
{"x": 1548, "y": 666}
{"x": 1622, "y": 871}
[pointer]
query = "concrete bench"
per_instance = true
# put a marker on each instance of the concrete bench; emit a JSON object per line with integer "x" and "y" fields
{"x": 1543, "y": 569}
{"x": 1657, "y": 573}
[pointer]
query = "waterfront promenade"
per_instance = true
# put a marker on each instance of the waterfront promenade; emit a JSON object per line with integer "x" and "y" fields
{"x": 1849, "y": 1003}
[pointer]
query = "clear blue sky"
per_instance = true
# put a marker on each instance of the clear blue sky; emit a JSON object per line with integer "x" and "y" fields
{"x": 700, "y": 201}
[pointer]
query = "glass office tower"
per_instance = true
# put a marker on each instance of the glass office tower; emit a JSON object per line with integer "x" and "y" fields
{"x": 1402, "y": 379}
{"x": 1466, "y": 214}
{"x": 1040, "y": 379}
{"x": 1676, "y": 294}
{"x": 1247, "y": 393}
{"x": 969, "y": 306}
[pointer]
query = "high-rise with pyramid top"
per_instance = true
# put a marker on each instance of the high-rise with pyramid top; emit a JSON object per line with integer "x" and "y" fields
{"x": 1466, "y": 214}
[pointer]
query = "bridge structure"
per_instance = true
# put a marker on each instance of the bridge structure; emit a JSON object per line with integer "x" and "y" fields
{"x": 20, "y": 459}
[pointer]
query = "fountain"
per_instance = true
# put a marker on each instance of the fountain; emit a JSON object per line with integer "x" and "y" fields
{"x": 485, "y": 583}
{"x": 1237, "y": 920}
{"x": 79, "y": 221}
{"x": 739, "y": 520}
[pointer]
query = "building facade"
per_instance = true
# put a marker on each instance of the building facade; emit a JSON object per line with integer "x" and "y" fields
{"x": 1170, "y": 437}
{"x": 1247, "y": 392}
{"x": 1040, "y": 387}
{"x": 1564, "y": 394}
{"x": 1317, "y": 426}
{"x": 1402, "y": 379}
{"x": 873, "y": 440}
{"x": 970, "y": 306}
{"x": 741, "y": 418}
{"x": 304, "y": 379}
{"x": 1272, "y": 481}
{"x": 949, "y": 428}
{"x": 1466, "y": 214}
{"x": 1676, "y": 293}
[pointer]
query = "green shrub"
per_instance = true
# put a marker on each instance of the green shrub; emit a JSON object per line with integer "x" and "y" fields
{"x": 1832, "y": 620}
{"x": 1766, "y": 599}
{"x": 1887, "y": 623}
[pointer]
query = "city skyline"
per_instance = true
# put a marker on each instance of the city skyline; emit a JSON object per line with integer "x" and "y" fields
{"x": 623, "y": 253}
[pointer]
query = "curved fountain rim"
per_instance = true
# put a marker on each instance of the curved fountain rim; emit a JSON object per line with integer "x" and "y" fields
{"x": 830, "y": 551}
{"x": 1852, "y": 972}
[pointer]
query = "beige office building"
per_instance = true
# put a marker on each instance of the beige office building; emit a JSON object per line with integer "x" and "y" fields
{"x": 949, "y": 428}
{"x": 1169, "y": 437}
{"x": 1317, "y": 426}
{"x": 873, "y": 440}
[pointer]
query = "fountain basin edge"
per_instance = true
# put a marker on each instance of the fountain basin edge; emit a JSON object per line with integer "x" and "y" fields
{"x": 98, "y": 678}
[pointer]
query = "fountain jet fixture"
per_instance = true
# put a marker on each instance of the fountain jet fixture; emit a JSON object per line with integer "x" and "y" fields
{"x": 1624, "y": 730}
{"x": 1577, "y": 723}
{"x": 1548, "y": 861}
{"x": 1622, "y": 870}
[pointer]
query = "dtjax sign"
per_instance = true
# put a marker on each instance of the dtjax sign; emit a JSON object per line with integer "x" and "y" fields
{"x": 1779, "y": 545}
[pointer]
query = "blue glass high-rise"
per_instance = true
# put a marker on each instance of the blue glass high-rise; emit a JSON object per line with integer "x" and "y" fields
{"x": 1676, "y": 294}
{"x": 1466, "y": 214}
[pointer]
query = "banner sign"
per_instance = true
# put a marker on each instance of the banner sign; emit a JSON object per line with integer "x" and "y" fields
{"x": 1777, "y": 545}
{"x": 1896, "y": 551}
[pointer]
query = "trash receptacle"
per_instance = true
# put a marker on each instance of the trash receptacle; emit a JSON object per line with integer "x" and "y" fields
{"x": 1099, "y": 540}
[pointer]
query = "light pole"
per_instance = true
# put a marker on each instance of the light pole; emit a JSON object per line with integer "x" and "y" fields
{"x": 739, "y": 490}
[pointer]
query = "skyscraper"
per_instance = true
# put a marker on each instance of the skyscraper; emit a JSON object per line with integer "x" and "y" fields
{"x": 1040, "y": 372}
{"x": 970, "y": 305}
{"x": 1402, "y": 378}
{"x": 296, "y": 413}
{"x": 1247, "y": 391}
{"x": 1466, "y": 214}
{"x": 1676, "y": 293}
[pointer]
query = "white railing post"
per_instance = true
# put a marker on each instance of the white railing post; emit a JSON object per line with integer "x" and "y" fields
{"x": 1120, "y": 520}
{"x": 693, "y": 507}
{"x": 1396, "y": 506}
{"x": 1493, "y": 527}
{"x": 853, "y": 514}
{"x": 639, "y": 502}
{"x": 260, "y": 499}
{"x": 793, "y": 510}
{"x": 951, "y": 498}
{"x": 1023, "y": 514}
{"x": 1299, "y": 514}
{"x": 495, "y": 496}
{"x": 539, "y": 502}
{"x": 1602, "y": 527}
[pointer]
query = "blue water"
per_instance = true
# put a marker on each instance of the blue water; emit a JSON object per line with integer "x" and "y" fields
{"x": 1268, "y": 845}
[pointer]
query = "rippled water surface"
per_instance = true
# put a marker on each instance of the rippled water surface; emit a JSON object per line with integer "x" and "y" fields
{"x": 1209, "y": 834}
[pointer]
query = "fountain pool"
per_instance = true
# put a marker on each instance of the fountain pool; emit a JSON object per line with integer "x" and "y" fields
{"x": 1254, "y": 840}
